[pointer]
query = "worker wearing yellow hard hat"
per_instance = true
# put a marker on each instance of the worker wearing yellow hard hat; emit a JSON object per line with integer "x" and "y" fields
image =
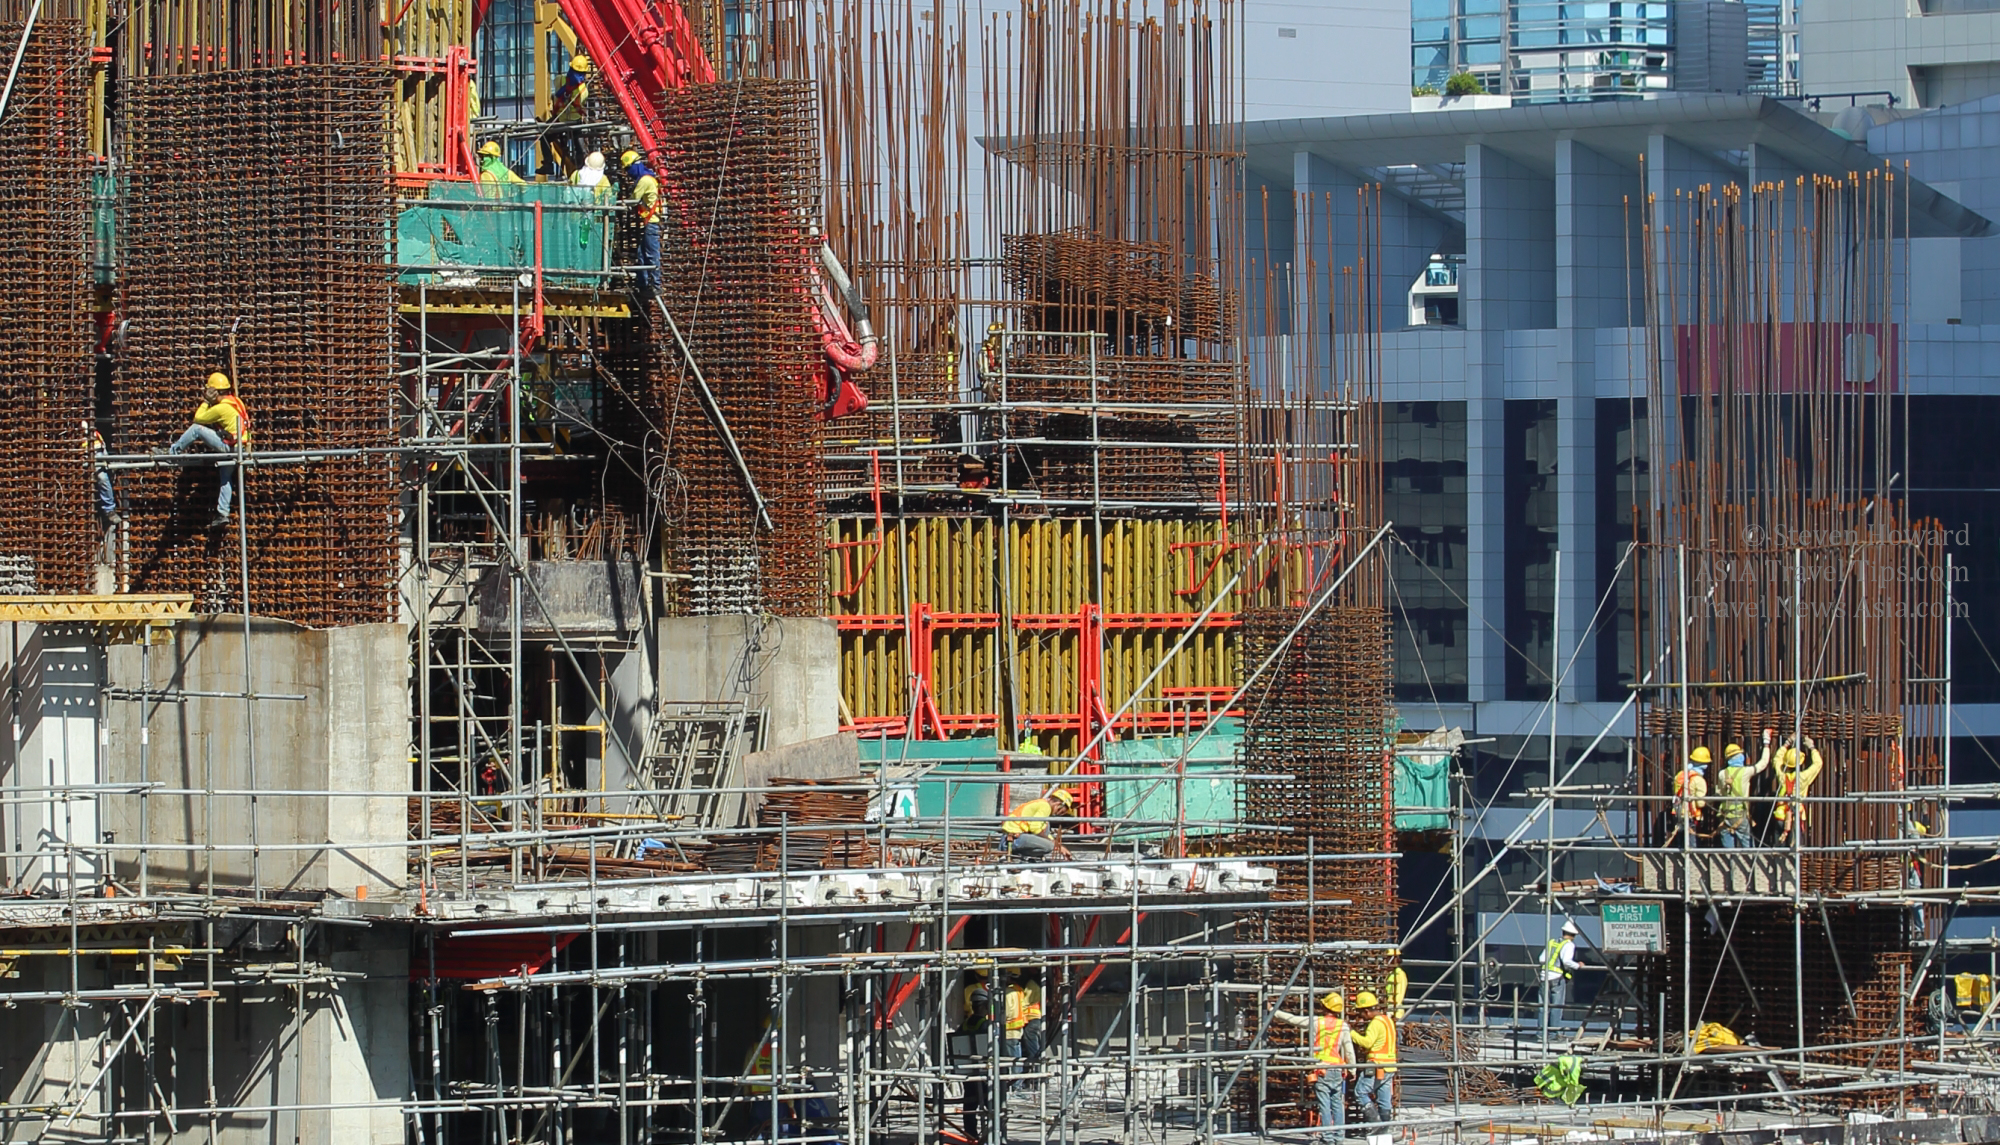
{"x": 1732, "y": 809}
{"x": 1795, "y": 779}
{"x": 566, "y": 106}
{"x": 1333, "y": 1050}
{"x": 1375, "y": 1090}
{"x": 1691, "y": 791}
{"x": 221, "y": 423}
{"x": 493, "y": 169}
{"x": 1027, "y": 829}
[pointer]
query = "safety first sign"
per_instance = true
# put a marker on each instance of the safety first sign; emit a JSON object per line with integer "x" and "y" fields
{"x": 1633, "y": 927}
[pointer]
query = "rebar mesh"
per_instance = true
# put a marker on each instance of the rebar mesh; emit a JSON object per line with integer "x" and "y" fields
{"x": 270, "y": 225}
{"x": 735, "y": 266}
{"x": 45, "y": 335}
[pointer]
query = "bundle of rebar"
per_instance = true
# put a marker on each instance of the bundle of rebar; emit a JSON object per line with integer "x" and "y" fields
{"x": 1785, "y": 589}
{"x": 254, "y": 248}
{"x": 741, "y": 180}
{"x": 45, "y": 327}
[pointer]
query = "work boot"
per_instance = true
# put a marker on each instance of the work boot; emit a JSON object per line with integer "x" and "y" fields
{"x": 219, "y": 521}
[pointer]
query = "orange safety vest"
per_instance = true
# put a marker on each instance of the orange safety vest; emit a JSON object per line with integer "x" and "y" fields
{"x": 1384, "y": 1054}
{"x": 1326, "y": 1038}
{"x": 242, "y": 417}
{"x": 1691, "y": 809}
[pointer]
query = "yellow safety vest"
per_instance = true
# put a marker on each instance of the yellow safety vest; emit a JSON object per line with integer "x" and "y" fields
{"x": 1032, "y": 992}
{"x": 1552, "y": 960}
{"x": 1017, "y": 1011}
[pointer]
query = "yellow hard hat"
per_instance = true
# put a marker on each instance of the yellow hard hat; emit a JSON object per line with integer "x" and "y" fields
{"x": 1732, "y": 749}
{"x": 1332, "y": 1001}
{"x": 579, "y": 63}
{"x": 1700, "y": 755}
{"x": 1063, "y": 795}
{"x": 490, "y": 148}
{"x": 1365, "y": 999}
{"x": 218, "y": 381}
{"x": 629, "y": 158}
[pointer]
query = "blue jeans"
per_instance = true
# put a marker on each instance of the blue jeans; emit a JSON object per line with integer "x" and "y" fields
{"x": 107, "y": 502}
{"x": 649, "y": 257}
{"x": 1553, "y": 990}
{"x": 1331, "y": 1090}
{"x": 1376, "y": 1093}
{"x": 213, "y": 440}
{"x": 1735, "y": 837}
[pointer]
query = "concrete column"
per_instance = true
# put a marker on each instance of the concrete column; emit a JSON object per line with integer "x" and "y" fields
{"x": 355, "y": 1043}
{"x": 1597, "y": 285}
{"x": 1508, "y": 284}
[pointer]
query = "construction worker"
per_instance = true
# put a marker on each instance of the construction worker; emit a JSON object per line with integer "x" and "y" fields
{"x": 566, "y": 106}
{"x": 977, "y": 997}
{"x": 1375, "y": 1090}
{"x": 1794, "y": 783}
{"x": 1027, "y": 826}
{"x": 1691, "y": 792}
{"x": 1396, "y": 984}
{"x": 107, "y": 498}
{"x": 223, "y": 425}
{"x": 1732, "y": 810}
{"x": 592, "y": 175}
{"x": 646, "y": 211}
{"x": 1034, "y": 1035}
{"x": 493, "y": 169}
{"x": 1333, "y": 1049}
{"x": 1015, "y": 1016}
{"x": 1558, "y": 963}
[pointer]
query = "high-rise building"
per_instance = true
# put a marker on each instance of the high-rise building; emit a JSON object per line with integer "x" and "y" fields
{"x": 1555, "y": 51}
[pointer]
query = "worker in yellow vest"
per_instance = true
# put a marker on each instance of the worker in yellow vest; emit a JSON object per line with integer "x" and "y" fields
{"x": 1015, "y": 1015}
{"x": 1333, "y": 1049}
{"x": 1034, "y": 1036}
{"x": 1376, "y": 1089}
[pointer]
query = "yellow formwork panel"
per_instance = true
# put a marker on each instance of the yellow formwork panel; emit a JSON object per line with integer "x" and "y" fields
{"x": 1004, "y": 618}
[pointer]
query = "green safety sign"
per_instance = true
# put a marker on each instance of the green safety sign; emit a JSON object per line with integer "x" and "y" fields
{"x": 1633, "y": 927}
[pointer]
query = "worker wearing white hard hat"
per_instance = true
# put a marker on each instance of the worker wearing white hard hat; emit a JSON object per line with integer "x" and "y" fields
{"x": 1558, "y": 963}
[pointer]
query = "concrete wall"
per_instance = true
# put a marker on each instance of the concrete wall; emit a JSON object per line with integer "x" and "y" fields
{"x": 790, "y": 666}
{"x": 51, "y": 710}
{"x": 348, "y": 732}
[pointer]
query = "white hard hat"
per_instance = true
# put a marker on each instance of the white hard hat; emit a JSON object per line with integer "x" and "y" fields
{"x": 594, "y": 161}
{"x": 1570, "y": 927}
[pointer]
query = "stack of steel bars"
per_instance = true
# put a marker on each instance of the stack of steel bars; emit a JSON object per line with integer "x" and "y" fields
{"x": 45, "y": 329}
{"x": 267, "y": 227}
{"x": 741, "y": 182}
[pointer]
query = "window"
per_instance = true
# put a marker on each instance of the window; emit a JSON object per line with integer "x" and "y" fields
{"x": 1530, "y": 483}
{"x": 1430, "y": 31}
{"x": 1479, "y": 55}
{"x": 1481, "y": 28}
{"x": 1423, "y": 470}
